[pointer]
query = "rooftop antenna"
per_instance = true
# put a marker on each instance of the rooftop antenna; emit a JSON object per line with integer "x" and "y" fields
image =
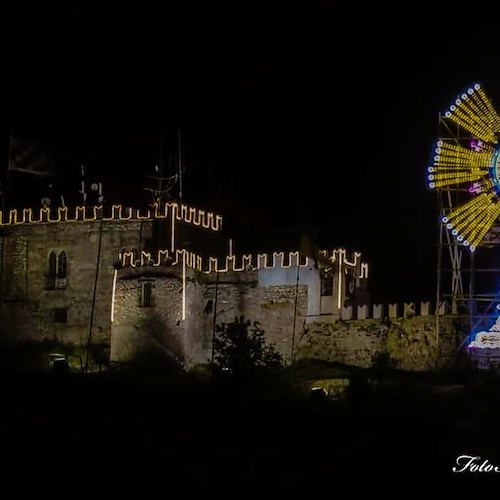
{"x": 96, "y": 193}
{"x": 5, "y": 175}
{"x": 160, "y": 185}
{"x": 180, "y": 167}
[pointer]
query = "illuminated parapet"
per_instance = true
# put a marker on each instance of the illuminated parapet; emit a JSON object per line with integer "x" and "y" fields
{"x": 278, "y": 259}
{"x": 142, "y": 215}
{"x": 262, "y": 261}
{"x": 118, "y": 212}
{"x": 197, "y": 217}
{"x": 285, "y": 261}
{"x": 393, "y": 310}
{"x": 89, "y": 214}
{"x": 161, "y": 210}
{"x": 409, "y": 310}
{"x": 62, "y": 214}
{"x": 377, "y": 311}
{"x": 189, "y": 215}
{"x": 443, "y": 308}
{"x": 339, "y": 257}
{"x": 163, "y": 258}
{"x": 380, "y": 311}
{"x": 424, "y": 308}
{"x": 362, "y": 312}
{"x": 346, "y": 313}
{"x": 136, "y": 258}
{"x": 213, "y": 265}
{"x": 130, "y": 258}
{"x": 13, "y": 219}
{"x": 148, "y": 259}
{"x": 250, "y": 262}
{"x": 239, "y": 263}
{"x": 363, "y": 271}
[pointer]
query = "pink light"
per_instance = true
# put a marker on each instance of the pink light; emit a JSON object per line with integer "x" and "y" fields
{"x": 475, "y": 188}
{"x": 476, "y": 144}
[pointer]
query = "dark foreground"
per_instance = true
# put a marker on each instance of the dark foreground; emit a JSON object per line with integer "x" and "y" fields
{"x": 120, "y": 433}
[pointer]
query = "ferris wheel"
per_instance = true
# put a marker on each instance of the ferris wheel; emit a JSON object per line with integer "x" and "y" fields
{"x": 470, "y": 164}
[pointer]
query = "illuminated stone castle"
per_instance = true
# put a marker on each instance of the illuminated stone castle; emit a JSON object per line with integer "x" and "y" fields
{"x": 121, "y": 282}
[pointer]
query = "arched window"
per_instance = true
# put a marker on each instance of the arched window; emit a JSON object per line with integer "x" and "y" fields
{"x": 326, "y": 282}
{"x": 57, "y": 272}
{"x": 51, "y": 272}
{"x": 147, "y": 294}
{"x": 52, "y": 265}
{"x": 61, "y": 266}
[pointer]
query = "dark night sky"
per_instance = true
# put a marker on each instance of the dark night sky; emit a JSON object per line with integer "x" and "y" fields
{"x": 304, "y": 116}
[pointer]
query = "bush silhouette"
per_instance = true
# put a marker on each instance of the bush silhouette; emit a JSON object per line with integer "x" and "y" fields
{"x": 241, "y": 351}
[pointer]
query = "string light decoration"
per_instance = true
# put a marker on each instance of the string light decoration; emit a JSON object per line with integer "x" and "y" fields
{"x": 174, "y": 211}
{"x": 135, "y": 258}
{"x": 472, "y": 166}
{"x": 246, "y": 262}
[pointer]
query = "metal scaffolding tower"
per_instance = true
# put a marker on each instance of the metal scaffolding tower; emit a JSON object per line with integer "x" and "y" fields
{"x": 468, "y": 281}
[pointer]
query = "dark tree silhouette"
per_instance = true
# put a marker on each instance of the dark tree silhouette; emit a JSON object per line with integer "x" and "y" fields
{"x": 241, "y": 351}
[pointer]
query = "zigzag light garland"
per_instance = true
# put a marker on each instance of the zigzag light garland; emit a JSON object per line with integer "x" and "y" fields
{"x": 135, "y": 258}
{"x": 476, "y": 167}
{"x": 174, "y": 211}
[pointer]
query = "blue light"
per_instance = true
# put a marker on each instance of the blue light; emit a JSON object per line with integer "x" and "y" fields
{"x": 493, "y": 169}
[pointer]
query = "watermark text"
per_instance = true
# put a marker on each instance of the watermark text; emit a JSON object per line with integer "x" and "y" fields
{"x": 472, "y": 463}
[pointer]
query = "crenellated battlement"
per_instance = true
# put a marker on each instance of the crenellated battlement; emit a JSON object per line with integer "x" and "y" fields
{"x": 245, "y": 262}
{"x": 388, "y": 311}
{"x": 339, "y": 256}
{"x": 169, "y": 210}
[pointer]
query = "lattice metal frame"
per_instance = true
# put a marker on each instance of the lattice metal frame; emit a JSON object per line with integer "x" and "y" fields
{"x": 457, "y": 270}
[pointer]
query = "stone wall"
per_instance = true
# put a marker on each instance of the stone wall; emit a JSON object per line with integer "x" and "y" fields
{"x": 138, "y": 329}
{"x": 180, "y": 322}
{"x": 272, "y": 306}
{"x": 28, "y": 305}
{"x": 407, "y": 344}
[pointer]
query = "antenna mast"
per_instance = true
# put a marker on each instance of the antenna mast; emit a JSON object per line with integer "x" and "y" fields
{"x": 160, "y": 185}
{"x": 180, "y": 169}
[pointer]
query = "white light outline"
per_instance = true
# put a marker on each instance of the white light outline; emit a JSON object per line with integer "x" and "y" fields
{"x": 190, "y": 215}
{"x": 237, "y": 263}
{"x": 113, "y": 293}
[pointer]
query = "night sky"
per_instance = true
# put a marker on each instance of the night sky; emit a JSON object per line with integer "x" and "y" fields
{"x": 296, "y": 117}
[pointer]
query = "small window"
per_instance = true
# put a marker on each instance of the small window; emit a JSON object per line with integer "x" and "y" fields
{"x": 147, "y": 294}
{"x": 60, "y": 315}
{"x": 57, "y": 270}
{"x": 209, "y": 306}
{"x": 51, "y": 272}
{"x": 52, "y": 265}
{"x": 350, "y": 285}
{"x": 61, "y": 266}
{"x": 327, "y": 283}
